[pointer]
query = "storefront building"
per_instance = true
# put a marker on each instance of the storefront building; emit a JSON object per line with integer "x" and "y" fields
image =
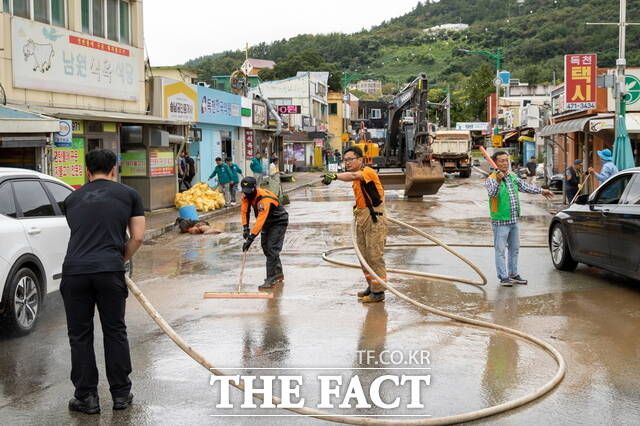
{"x": 84, "y": 67}
{"x": 219, "y": 123}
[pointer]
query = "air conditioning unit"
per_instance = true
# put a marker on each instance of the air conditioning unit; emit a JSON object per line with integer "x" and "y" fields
{"x": 158, "y": 138}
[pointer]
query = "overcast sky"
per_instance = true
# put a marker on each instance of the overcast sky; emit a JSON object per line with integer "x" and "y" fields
{"x": 178, "y": 31}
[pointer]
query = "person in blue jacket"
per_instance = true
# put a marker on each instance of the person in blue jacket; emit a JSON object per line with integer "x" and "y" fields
{"x": 608, "y": 167}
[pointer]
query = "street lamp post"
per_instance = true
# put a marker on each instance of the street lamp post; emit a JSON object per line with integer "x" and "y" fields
{"x": 346, "y": 79}
{"x": 498, "y": 56}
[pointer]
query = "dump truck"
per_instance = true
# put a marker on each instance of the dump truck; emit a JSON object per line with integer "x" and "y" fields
{"x": 452, "y": 148}
{"x": 408, "y": 144}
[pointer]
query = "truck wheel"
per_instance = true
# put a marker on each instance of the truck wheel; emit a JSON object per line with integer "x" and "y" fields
{"x": 465, "y": 173}
{"x": 23, "y": 301}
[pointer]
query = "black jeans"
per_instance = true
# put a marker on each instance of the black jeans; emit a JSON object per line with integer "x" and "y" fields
{"x": 571, "y": 192}
{"x": 272, "y": 238}
{"x": 81, "y": 294}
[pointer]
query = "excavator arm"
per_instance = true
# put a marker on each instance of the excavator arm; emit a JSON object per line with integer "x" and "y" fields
{"x": 408, "y": 142}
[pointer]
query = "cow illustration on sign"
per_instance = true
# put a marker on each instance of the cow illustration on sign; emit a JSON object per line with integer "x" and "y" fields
{"x": 42, "y": 55}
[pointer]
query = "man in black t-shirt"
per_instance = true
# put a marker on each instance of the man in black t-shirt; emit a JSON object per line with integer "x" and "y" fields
{"x": 93, "y": 271}
{"x": 572, "y": 178}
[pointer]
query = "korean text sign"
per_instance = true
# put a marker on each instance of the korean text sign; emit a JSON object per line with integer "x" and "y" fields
{"x": 248, "y": 143}
{"x": 580, "y": 73}
{"x": 54, "y": 59}
{"x": 68, "y": 163}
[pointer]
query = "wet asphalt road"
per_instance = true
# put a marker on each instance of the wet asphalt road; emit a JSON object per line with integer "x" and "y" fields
{"x": 591, "y": 316}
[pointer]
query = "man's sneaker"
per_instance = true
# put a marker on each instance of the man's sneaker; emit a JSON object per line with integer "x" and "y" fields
{"x": 122, "y": 402}
{"x": 373, "y": 297}
{"x": 87, "y": 405}
{"x": 506, "y": 282}
{"x": 364, "y": 293}
{"x": 517, "y": 279}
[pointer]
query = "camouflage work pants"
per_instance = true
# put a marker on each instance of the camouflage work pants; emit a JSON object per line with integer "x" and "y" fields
{"x": 371, "y": 240}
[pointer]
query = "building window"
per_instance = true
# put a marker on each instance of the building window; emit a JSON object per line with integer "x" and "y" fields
{"x": 107, "y": 19}
{"x": 97, "y": 15}
{"x": 112, "y": 20}
{"x": 124, "y": 22}
{"x": 58, "y": 13}
{"x": 21, "y": 8}
{"x": 375, "y": 114}
{"x": 41, "y": 11}
{"x": 333, "y": 108}
{"x": 85, "y": 11}
{"x": 46, "y": 11}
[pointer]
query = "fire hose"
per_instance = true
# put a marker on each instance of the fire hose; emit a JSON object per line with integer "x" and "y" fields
{"x": 357, "y": 420}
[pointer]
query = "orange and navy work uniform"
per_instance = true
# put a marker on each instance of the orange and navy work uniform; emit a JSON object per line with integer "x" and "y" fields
{"x": 267, "y": 209}
{"x": 373, "y": 190}
{"x": 372, "y": 225}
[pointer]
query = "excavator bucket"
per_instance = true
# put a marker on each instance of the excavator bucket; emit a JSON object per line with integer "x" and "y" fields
{"x": 392, "y": 179}
{"x": 423, "y": 179}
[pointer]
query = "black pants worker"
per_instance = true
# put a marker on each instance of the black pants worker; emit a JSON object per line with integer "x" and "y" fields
{"x": 81, "y": 295}
{"x": 272, "y": 239}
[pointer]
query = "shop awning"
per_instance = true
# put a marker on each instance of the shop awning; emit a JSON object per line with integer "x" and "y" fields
{"x": 570, "y": 126}
{"x": 118, "y": 117}
{"x": 14, "y": 120}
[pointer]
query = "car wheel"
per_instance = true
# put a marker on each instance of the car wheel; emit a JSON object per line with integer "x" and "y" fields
{"x": 560, "y": 254}
{"x": 23, "y": 302}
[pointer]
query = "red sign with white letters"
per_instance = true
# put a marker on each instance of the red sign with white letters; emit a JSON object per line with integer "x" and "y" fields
{"x": 580, "y": 72}
{"x": 289, "y": 109}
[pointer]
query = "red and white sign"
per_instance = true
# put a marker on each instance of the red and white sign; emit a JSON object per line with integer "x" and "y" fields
{"x": 580, "y": 73}
{"x": 289, "y": 109}
{"x": 248, "y": 143}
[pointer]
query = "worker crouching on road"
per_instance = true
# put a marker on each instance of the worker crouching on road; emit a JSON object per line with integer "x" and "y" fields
{"x": 271, "y": 219}
{"x": 369, "y": 213}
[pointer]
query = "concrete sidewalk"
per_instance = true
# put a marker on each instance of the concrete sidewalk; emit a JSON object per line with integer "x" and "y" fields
{"x": 162, "y": 221}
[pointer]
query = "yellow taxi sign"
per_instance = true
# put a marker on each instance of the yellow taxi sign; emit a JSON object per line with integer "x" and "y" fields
{"x": 345, "y": 137}
{"x": 496, "y": 141}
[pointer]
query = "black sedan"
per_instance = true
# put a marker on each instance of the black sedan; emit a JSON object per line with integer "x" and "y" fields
{"x": 601, "y": 229}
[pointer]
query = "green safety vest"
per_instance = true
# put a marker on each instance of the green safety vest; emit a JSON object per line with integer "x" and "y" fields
{"x": 499, "y": 206}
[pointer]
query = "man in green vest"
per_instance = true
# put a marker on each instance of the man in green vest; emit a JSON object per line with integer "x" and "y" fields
{"x": 503, "y": 188}
{"x": 224, "y": 179}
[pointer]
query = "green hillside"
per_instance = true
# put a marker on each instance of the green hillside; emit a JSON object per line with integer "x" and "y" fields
{"x": 534, "y": 34}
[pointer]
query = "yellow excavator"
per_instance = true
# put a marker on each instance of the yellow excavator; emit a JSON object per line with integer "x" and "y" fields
{"x": 408, "y": 144}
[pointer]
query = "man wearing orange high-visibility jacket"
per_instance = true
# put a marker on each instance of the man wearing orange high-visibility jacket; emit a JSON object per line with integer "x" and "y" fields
{"x": 271, "y": 221}
{"x": 369, "y": 212}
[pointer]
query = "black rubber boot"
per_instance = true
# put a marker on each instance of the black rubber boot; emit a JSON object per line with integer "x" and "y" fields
{"x": 271, "y": 282}
{"x": 373, "y": 297}
{"x": 364, "y": 293}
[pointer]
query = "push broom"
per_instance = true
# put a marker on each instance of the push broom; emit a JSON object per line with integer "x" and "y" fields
{"x": 238, "y": 294}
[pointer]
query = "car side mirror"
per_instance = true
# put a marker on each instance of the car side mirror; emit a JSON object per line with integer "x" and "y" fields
{"x": 582, "y": 199}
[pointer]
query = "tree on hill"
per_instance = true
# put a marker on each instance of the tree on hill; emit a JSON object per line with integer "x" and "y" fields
{"x": 478, "y": 87}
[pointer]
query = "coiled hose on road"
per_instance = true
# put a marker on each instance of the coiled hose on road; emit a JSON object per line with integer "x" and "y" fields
{"x": 456, "y": 418}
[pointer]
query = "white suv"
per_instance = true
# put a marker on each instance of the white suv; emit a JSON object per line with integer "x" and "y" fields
{"x": 34, "y": 235}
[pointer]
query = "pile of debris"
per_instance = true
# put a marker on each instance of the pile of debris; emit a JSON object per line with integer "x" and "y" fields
{"x": 201, "y": 196}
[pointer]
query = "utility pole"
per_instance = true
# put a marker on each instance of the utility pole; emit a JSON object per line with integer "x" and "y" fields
{"x": 448, "y": 107}
{"x": 621, "y": 62}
